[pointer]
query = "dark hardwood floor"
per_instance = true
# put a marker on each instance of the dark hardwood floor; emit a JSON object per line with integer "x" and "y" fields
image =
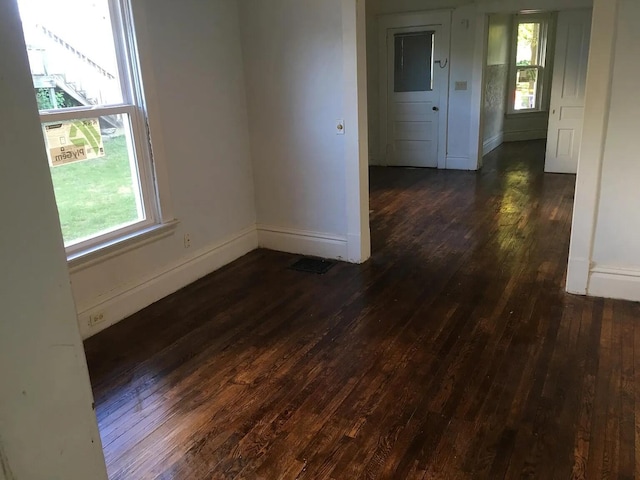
{"x": 453, "y": 353}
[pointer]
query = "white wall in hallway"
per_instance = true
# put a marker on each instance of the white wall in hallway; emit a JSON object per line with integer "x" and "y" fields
{"x": 617, "y": 242}
{"x": 496, "y": 81}
{"x": 48, "y": 429}
{"x": 615, "y": 270}
{"x": 514, "y": 6}
{"x": 297, "y": 78}
{"x": 293, "y": 59}
{"x": 526, "y": 126}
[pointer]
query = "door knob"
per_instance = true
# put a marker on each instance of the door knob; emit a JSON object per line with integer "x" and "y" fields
{"x": 435, "y": 109}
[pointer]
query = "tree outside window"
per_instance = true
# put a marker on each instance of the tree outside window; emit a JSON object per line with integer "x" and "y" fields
{"x": 528, "y": 64}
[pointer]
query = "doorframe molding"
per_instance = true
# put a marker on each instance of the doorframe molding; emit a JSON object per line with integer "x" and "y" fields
{"x": 356, "y": 140}
{"x": 596, "y": 125}
{"x": 412, "y": 20}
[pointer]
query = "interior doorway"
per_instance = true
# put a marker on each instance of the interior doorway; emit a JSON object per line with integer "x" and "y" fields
{"x": 534, "y": 78}
{"x": 413, "y": 88}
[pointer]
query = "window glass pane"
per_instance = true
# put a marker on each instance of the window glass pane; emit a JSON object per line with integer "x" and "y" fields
{"x": 528, "y": 44}
{"x": 71, "y": 51}
{"x": 526, "y": 88}
{"x": 94, "y": 175}
{"x": 413, "y": 62}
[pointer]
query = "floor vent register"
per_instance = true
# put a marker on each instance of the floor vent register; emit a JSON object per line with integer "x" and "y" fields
{"x": 319, "y": 266}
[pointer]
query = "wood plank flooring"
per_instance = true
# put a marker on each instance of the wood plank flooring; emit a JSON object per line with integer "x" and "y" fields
{"x": 452, "y": 354}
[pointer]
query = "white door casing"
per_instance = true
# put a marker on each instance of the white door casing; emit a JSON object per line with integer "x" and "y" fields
{"x": 566, "y": 114}
{"x": 413, "y": 124}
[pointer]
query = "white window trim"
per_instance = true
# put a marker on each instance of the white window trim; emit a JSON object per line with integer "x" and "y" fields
{"x": 544, "y": 81}
{"x": 119, "y": 245}
{"x": 159, "y": 221}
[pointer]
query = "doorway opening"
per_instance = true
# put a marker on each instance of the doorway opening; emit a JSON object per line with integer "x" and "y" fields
{"x": 534, "y": 78}
{"x": 413, "y": 89}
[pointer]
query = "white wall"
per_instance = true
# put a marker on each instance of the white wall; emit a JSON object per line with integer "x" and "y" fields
{"x": 526, "y": 126}
{"x": 47, "y": 426}
{"x": 312, "y": 188}
{"x": 193, "y": 72}
{"x": 514, "y": 6}
{"x": 495, "y": 80}
{"x": 296, "y": 81}
{"x": 467, "y": 60}
{"x": 608, "y": 196}
{"x": 620, "y": 187}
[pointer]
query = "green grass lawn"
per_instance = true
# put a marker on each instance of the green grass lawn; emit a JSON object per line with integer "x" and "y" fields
{"x": 95, "y": 195}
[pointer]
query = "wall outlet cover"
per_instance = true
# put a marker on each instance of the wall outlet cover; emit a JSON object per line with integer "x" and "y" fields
{"x": 96, "y": 318}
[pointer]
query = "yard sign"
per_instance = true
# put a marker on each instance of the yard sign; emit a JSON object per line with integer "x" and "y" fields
{"x": 73, "y": 141}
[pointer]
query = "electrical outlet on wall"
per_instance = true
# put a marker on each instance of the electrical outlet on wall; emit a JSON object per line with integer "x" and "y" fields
{"x": 187, "y": 240}
{"x": 96, "y": 318}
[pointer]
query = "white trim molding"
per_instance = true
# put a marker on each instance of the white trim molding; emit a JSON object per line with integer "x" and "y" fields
{"x": 476, "y": 119}
{"x": 578, "y": 275}
{"x": 492, "y": 143}
{"x": 614, "y": 282}
{"x": 130, "y": 299}
{"x": 524, "y": 135}
{"x": 356, "y": 139}
{"x": 597, "y": 105}
{"x": 119, "y": 246}
{"x": 460, "y": 163}
{"x": 317, "y": 244}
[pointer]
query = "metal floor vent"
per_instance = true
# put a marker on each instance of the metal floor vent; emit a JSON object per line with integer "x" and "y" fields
{"x": 318, "y": 266}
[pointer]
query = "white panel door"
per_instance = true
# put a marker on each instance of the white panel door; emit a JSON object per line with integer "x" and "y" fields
{"x": 567, "y": 92}
{"x": 415, "y": 80}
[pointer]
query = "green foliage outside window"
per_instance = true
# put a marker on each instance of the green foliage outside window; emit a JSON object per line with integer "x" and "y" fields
{"x": 43, "y": 97}
{"x": 528, "y": 40}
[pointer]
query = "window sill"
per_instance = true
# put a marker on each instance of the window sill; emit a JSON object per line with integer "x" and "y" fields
{"x": 101, "y": 252}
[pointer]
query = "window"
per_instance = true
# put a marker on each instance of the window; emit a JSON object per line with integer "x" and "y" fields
{"x": 87, "y": 86}
{"x": 413, "y": 62}
{"x": 528, "y": 73}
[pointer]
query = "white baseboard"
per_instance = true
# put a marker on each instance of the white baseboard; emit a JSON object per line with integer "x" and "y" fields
{"x": 129, "y": 300}
{"x": 357, "y": 252}
{"x": 610, "y": 282}
{"x": 303, "y": 242}
{"x": 460, "y": 163}
{"x": 578, "y": 275}
{"x": 492, "y": 143}
{"x": 560, "y": 168}
{"x": 523, "y": 135}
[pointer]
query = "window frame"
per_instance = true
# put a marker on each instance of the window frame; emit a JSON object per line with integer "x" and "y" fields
{"x": 135, "y": 108}
{"x": 542, "y": 66}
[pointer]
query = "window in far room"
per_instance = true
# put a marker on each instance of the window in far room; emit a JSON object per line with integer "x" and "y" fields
{"x": 528, "y": 64}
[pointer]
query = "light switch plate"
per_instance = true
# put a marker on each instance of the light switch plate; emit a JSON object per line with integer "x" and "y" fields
{"x": 461, "y": 85}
